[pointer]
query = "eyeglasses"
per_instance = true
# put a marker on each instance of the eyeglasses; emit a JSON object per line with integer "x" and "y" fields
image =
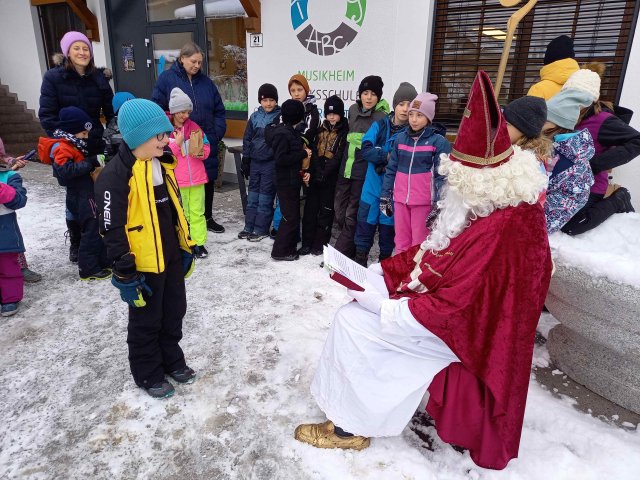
{"x": 161, "y": 136}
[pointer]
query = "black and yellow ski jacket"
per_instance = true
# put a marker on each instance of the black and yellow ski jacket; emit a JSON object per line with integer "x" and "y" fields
{"x": 127, "y": 210}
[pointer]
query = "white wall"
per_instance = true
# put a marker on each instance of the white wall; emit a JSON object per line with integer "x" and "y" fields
{"x": 21, "y": 50}
{"x": 101, "y": 54}
{"x": 629, "y": 175}
{"x": 20, "y": 44}
{"x": 386, "y": 45}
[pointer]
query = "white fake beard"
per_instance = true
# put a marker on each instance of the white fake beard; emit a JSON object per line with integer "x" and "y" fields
{"x": 454, "y": 216}
{"x": 471, "y": 193}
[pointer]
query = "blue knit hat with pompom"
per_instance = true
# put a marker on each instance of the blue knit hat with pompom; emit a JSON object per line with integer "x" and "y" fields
{"x": 140, "y": 119}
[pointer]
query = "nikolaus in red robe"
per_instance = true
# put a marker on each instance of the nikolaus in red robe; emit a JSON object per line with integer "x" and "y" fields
{"x": 484, "y": 296}
{"x": 461, "y": 311}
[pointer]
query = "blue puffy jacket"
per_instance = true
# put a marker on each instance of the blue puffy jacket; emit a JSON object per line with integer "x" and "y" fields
{"x": 253, "y": 142}
{"x": 376, "y": 145}
{"x": 10, "y": 237}
{"x": 208, "y": 109}
{"x": 92, "y": 93}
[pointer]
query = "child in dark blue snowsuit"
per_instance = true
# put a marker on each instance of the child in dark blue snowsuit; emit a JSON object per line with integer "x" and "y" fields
{"x": 259, "y": 166}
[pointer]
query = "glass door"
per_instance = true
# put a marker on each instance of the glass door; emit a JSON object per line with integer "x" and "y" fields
{"x": 164, "y": 44}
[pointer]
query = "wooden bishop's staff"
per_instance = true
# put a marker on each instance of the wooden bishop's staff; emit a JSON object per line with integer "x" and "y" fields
{"x": 512, "y": 24}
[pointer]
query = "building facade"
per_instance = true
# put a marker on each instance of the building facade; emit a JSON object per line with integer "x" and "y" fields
{"x": 437, "y": 45}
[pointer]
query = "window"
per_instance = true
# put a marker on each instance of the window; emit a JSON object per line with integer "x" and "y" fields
{"x": 228, "y": 63}
{"x": 469, "y": 35}
{"x": 56, "y": 20}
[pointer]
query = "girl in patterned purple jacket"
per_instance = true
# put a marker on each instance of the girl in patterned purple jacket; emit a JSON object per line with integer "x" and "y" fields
{"x": 616, "y": 143}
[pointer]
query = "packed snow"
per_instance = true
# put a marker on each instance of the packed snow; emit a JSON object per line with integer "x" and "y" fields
{"x": 253, "y": 332}
{"x": 611, "y": 250}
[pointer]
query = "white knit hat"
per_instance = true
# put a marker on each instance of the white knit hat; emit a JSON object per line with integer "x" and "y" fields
{"x": 585, "y": 80}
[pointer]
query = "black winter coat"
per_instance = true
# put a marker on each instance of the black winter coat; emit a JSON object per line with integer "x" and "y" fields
{"x": 288, "y": 152}
{"x": 66, "y": 88}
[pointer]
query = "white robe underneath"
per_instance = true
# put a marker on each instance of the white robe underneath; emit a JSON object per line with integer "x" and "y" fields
{"x": 375, "y": 369}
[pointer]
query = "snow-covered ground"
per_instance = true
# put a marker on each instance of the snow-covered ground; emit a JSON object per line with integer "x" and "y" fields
{"x": 611, "y": 251}
{"x": 253, "y": 332}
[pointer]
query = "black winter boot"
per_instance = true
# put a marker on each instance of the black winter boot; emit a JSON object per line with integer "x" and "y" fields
{"x": 73, "y": 233}
{"x": 622, "y": 197}
{"x": 361, "y": 257}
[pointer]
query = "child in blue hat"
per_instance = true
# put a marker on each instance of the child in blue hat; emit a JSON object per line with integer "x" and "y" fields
{"x": 148, "y": 245}
{"x": 67, "y": 152}
{"x": 111, "y": 136}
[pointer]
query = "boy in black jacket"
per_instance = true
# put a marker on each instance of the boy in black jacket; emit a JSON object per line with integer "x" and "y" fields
{"x": 328, "y": 149}
{"x": 148, "y": 243}
{"x": 288, "y": 151}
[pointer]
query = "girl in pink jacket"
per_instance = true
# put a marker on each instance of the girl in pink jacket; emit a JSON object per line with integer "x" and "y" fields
{"x": 190, "y": 146}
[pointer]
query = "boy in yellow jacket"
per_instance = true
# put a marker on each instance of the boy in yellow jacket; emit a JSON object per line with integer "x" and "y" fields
{"x": 559, "y": 65}
{"x": 147, "y": 240}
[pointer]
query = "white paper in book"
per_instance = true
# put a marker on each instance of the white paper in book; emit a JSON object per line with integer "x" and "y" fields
{"x": 334, "y": 261}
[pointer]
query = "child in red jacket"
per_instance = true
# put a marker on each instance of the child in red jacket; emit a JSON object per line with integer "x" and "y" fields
{"x": 66, "y": 152}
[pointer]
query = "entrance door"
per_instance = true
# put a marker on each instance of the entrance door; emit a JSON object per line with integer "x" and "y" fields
{"x": 164, "y": 47}
{"x": 145, "y": 38}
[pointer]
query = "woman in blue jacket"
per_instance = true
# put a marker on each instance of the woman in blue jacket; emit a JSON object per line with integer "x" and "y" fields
{"x": 208, "y": 110}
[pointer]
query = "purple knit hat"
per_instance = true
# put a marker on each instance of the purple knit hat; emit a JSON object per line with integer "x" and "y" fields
{"x": 72, "y": 37}
{"x": 425, "y": 103}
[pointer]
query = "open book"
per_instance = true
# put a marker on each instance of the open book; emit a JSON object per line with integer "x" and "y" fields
{"x": 351, "y": 274}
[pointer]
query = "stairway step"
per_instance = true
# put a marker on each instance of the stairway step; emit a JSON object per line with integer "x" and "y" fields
{"x": 31, "y": 129}
{"x": 20, "y": 137}
{"x": 12, "y": 108}
{"x": 20, "y": 117}
{"x": 8, "y": 100}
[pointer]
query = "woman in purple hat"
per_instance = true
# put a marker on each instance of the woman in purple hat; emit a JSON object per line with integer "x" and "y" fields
{"x": 76, "y": 83}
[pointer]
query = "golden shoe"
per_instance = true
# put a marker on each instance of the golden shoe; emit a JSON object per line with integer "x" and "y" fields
{"x": 322, "y": 435}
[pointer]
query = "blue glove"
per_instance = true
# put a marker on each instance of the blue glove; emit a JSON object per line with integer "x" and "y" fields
{"x": 188, "y": 263}
{"x": 131, "y": 290}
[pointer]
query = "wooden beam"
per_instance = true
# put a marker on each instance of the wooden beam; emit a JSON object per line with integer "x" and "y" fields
{"x": 252, "y": 7}
{"x": 252, "y": 22}
{"x": 79, "y": 7}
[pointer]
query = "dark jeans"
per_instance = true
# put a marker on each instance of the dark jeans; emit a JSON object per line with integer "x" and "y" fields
{"x": 287, "y": 238}
{"x": 346, "y": 206}
{"x": 155, "y": 330}
{"x": 318, "y": 214}
{"x": 596, "y": 211}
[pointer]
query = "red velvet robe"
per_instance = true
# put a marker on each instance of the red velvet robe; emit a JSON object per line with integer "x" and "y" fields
{"x": 485, "y": 294}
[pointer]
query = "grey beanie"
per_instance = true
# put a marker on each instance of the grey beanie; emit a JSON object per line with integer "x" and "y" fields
{"x": 179, "y": 101}
{"x": 564, "y": 108}
{"x": 527, "y": 114}
{"x": 405, "y": 93}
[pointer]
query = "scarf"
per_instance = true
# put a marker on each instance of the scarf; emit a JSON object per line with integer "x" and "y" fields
{"x": 79, "y": 143}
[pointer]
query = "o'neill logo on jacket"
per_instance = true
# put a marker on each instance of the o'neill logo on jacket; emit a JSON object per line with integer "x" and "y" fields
{"x": 325, "y": 44}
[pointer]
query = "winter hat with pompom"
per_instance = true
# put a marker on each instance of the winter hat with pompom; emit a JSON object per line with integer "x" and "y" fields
{"x": 585, "y": 80}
